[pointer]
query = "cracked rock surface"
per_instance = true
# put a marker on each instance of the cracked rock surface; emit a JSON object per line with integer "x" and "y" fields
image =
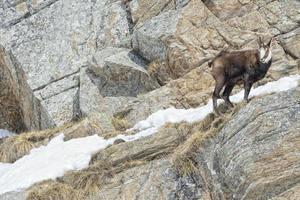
{"x": 255, "y": 156}
{"x": 56, "y": 42}
{"x": 119, "y": 61}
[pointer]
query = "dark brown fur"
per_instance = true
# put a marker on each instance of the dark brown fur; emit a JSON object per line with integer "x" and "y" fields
{"x": 229, "y": 68}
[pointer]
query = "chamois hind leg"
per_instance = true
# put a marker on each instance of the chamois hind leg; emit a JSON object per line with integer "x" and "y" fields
{"x": 220, "y": 82}
{"x": 226, "y": 94}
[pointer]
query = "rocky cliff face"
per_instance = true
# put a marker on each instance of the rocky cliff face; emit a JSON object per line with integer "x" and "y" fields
{"x": 85, "y": 56}
{"x": 118, "y": 61}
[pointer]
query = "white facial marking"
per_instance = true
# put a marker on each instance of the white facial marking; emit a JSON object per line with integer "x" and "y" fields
{"x": 268, "y": 58}
{"x": 262, "y": 53}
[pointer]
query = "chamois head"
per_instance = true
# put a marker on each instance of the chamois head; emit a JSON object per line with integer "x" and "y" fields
{"x": 265, "y": 50}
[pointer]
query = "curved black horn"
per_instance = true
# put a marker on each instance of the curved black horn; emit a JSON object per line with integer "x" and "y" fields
{"x": 260, "y": 42}
{"x": 270, "y": 42}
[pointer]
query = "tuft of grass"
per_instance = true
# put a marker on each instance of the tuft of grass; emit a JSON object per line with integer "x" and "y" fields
{"x": 89, "y": 180}
{"x": 184, "y": 158}
{"x": 52, "y": 190}
{"x": 80, "y": 185}
{"x": 161, "y": 72}
{"x": 15, "y": 147}
{"x": 83, "y": 128}
{"x": 120, "y": 124}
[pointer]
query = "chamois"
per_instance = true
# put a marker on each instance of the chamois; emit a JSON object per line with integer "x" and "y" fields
{"x": 231, "y": 67}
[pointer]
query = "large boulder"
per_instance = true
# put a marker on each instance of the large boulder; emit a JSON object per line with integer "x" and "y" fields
{"x": 255, "y": 156}
{"x": 291, "y": 43}
{"x": 93, "y": 103}
{"x": 282, "y": 16}
{"x": 122, "y": 73}
{"x": 113, "y": 78}
{"x": 49, "y": 44}
{"x": 19, "y": 110}
{"x": 180, "y": 37}
{"x": 52, "y": 39}
{"x": 192, "y": 90}
{"x": 149, "y": 38}
{"x": 114, "y": 27}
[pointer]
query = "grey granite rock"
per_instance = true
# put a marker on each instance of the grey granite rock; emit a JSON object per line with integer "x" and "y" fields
{"x": 53, "y": 39}
{"x": 121, "y": 72}
{"x": 19, "y": 110}
{"x": 255, "y": 156}
{"x": 149, "y": 38}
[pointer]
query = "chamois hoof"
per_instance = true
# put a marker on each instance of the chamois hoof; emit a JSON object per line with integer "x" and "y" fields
{"x": 230, "y": 105}
{"x": 217, "y": 113}
{"x": 247, "y": 100}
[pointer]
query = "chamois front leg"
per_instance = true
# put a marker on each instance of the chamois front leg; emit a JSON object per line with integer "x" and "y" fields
{"x": 247, "y": 87}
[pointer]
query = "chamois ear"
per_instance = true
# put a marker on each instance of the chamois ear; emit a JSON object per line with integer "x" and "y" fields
{"x": 270, "y": 42}
{"x": 260, "y": 43}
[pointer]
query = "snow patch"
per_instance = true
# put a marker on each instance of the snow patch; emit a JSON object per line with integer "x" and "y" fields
{"x": 49, "y": 162}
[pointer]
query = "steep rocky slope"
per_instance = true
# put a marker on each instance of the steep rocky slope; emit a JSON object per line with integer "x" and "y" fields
{"x": 254, "y": 156}
{"x": 251, "y": 154}
{"x": 104, "y": 56}
{"x": 112, "y": 63}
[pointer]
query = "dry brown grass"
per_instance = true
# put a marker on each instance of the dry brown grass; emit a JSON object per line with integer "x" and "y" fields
{"x": 91, "y": 179}
{"x": 83, "y": 128}
{"x": 161, "y": 72}
{"x": 184, "y": 159}
{"x": 15, "y": 147}
{"x": 154, "y": 67}
{"x": 52, "y": 190}
{"x": 79, "y": 185}
{"x": 120, "y": 124}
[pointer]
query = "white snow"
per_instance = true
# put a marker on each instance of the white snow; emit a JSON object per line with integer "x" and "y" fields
{"x": 49, "y": 162}
{"x": 53, "y": 160}
{"x": 5, "y": 133}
